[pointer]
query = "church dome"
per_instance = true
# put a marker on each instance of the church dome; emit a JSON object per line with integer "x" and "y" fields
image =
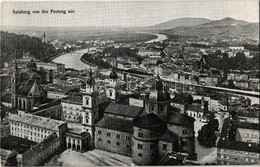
{"x": 113, "y": 74}
{"x": 156, "y": 96}
{"x": 158, "y": 91}
{"x": 90, "y": 79}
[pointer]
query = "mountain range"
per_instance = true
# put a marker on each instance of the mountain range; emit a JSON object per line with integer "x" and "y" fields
{"x": 205, "y": 27}
{"x": 181, "y": 26}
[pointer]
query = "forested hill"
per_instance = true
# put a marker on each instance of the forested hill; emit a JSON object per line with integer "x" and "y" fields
{"x": 13, "y": 45}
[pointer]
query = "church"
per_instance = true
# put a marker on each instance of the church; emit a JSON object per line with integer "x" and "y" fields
{"x": 145, "y": 134}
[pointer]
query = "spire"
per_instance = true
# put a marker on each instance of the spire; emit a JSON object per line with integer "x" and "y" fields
{"x": 15, "y": 68}
{"x": 90, "y": 79}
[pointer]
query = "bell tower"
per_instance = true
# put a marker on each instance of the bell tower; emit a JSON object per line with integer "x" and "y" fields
{"x": 14, "y": 85}
{"x": 90, "y": 107}
{"x": 111, "y": 91}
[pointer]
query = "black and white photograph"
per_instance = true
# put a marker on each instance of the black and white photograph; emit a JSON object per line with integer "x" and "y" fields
{"x": 129, "y": 83}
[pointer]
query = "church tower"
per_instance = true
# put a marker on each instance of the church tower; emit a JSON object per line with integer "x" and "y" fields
{"x": 44, "y": 39}
{"x": 90, "y": 107}
{"x": 158, "y": 99}
{"x": 14, "y": 85}
{"x": 111, "y": 90}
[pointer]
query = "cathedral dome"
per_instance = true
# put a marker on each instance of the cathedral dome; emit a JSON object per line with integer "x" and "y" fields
{"x": 113, "y": 74}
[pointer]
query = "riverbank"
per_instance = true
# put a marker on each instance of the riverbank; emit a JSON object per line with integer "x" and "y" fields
{"x": 91, "y": 64}
{"x": 73, "y": 59}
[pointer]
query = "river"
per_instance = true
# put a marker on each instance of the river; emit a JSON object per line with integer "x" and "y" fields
{"x": 72, "y": 60}
{"x": 160, "y": 37}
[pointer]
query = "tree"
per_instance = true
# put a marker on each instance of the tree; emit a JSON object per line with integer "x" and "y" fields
{"x": 207, "y": 136}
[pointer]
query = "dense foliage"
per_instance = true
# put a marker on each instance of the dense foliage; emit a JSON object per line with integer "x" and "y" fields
{"x": 240, "y": 62}
{"x": 123, "y": 52}
{"x": 13, "y": 45}
{"x": 95, "y": 60}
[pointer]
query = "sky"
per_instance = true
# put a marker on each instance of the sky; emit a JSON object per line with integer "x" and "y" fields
{"x": 125, "y": 13}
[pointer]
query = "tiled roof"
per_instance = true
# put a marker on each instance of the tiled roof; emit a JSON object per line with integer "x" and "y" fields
{"x": 148, "y": 121}
{"x": 115, "y": 124}
{"x": 38, "y": 121}
{"x": 169, "y": 136}
{"x": 179, "y": 118}
{"x": 125, "y": 110}
{"x": 194, "y": 108}
{"x": 40, "y": 147}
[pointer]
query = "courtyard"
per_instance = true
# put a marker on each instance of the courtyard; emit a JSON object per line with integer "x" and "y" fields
{"x": 93, "y": 158}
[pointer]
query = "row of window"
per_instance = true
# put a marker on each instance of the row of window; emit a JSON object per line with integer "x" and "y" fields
{"x": 117, "y": 143}
{"x": 40, "y": 137}
{"x": 39, "y": 129}
{"x": 141, "y": 135}
{"x": 118, "y": 136}
{"x": 239, "y": 152}
{"x": 242, "y": 159}
{"x": 73, "y": 140}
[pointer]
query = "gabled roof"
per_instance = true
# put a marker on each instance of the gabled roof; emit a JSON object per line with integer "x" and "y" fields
{"x": 115, "y": 124}
{"x": 125, "y": 110}
{"x": 169, "y": 136}
{"x": 179, "y": 118}
{"x": 32, "y": 88}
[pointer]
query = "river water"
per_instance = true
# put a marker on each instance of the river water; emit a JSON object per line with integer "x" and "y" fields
{"x": 72, "y": 60}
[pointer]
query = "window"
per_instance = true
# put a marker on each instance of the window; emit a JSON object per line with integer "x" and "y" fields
{"x": 140, "y": 146}
{"x": 184, "y": 143}
{"x": 152, "y": 146}
{"x": 110, "y": 93}
{"x": 140, "y": 134}
{"x": 99, "y": 132}
{"x": 127, "y": 138}
{"x": 162, "y": 108}
{"x": 164, "y": 146}
{"x": 108, "y": 134}
{"x": 184, "y": 131}
{"x": 127, "y": 146}
{"x": 152, "y": 135}
{"x": 99, "y": 139}
{"x": 118, "y": 144}
{"x": 118, "y": 136}
{"x": 152, "y": 108}
{"x": 140, "y": 155}
{"x": 108, "y": 142}
{"x": 87, "y": 101}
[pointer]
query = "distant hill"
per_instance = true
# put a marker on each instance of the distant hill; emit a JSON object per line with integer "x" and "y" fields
{"x": 228, "y": 21}
{"x": 178, "y": 23}
{"x": 227, "y": 27}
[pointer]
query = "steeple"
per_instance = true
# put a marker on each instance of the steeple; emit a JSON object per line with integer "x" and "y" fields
{"x": 14, "y": 85}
